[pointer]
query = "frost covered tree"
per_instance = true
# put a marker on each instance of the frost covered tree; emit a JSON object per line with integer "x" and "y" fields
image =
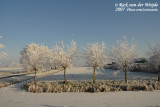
{"x": 96, "y": 56}
{"x": 63, "y": 56}
{"x": 2, "y": 54}
{"x": 34, "y": 57}
{"x": 124, "y": 55}
{"x": 154, "y": 58}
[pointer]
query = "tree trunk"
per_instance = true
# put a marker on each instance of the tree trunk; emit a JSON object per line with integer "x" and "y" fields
{"x": 65, "y": 79}
{"x": 159, "y": 74}
{"x": 159, "y": 77}
{"x": 125, "y": 70}
{"x": 35, "y": 78}
{"x": 94, "y": 77}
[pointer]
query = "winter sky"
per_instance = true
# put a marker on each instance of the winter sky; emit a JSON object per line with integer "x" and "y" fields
{"x": 48, "y": 21}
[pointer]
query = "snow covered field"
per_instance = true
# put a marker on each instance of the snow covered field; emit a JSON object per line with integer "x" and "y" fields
{"x": 13, "y": 96}
{"x": 86, "y": 73}
{"x": 10, "y": 70}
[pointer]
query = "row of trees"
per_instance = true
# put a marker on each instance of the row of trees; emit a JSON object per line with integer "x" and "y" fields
{"x": 35, "y": 57}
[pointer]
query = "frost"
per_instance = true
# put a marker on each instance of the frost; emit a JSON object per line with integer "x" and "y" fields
{"x": 116, "y": 72}
{"x": 34, "y": 58}
{"x": 62, "y": 56}
{"x": 96, "y": 56}
{"x": 123, "y": 55}
{"x": 154, "y": 56}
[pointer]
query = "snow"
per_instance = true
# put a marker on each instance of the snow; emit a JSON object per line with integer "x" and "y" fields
{"x": 124, "y": 54}
{"x": 17, "y": 79}
{"x": 96, "y": 55}
{"x": 13, "y": 96}
{"x": 34, "y": 57}
{"x": 10, "y": 70}
{"x": 86, "y": 73}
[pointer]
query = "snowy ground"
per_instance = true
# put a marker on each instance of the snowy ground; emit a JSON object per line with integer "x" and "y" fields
{"x": 18, "y": 79}
{"x": 13, "y": 96}
{"x": 84, "y": 73}
{"x": 10, "y": 70}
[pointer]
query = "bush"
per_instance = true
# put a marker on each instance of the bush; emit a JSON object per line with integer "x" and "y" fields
{"x": 4, "y": 84}
{"x": 88, "y": 86}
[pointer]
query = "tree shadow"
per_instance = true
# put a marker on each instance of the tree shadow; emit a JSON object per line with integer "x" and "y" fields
{"x": 51, "y": 106}
{"x": 55, "y": 106}
{"x": 17, "y": 79}
{"x": 14, "y": 81}
{"x": 100, "y": 75}
{"x": 78, "y": 77}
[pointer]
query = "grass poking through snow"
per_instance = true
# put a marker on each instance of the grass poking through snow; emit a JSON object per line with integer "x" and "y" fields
{"x": 88, "y": 86}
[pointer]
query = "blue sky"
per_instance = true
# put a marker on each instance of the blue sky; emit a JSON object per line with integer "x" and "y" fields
{"x": 48, "y": 21}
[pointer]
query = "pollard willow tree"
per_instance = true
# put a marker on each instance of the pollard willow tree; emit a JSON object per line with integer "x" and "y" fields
{"x": 124, "y": 55}
{"x": 34, "y": 57}
{"x": 96, "y": 56}
{"x": 2, "y": 54}
{"x": 63, "y": 56}
{"x": 154, "y": 58}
